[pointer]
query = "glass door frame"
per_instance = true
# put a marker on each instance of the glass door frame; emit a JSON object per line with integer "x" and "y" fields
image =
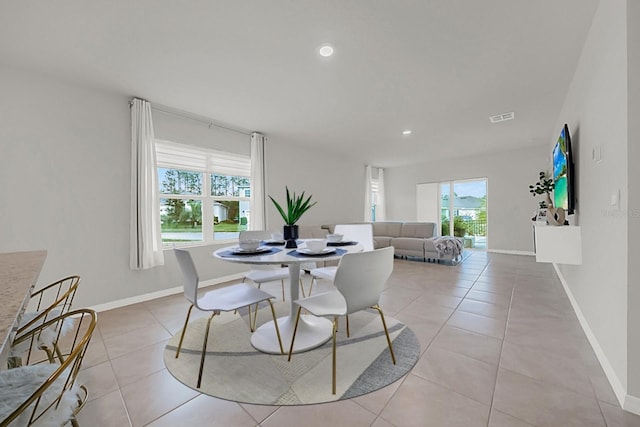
{"x": 451, "y": 205}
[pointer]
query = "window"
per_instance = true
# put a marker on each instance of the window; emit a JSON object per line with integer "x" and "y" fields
{"x": 374, "y": 198}
{"x": 204, "y": 194}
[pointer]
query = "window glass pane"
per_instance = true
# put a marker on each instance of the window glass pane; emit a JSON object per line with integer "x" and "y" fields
{"x": 445, "y": 217}
{"x": 181, "y": 220}
{"x": 470, "y": 207}
{"x": 229, "y": 186}
{"x": 230, "y": 217}
{"x": 174, "y": 181}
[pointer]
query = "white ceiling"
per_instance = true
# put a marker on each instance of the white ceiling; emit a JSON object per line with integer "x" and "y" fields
{"x": 437, "y": 67}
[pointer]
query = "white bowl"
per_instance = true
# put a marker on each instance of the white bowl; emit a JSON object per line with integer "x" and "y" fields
{"x": 249, "y": 244}
{"x": 334, "y": 238}
{"x": 316, "y": 245}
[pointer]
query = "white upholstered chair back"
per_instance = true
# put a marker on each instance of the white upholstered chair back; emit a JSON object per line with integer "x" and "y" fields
{"x": 361, "y": 233}
{"x": 361, "y": 277}
{"x": 190, "y": 277}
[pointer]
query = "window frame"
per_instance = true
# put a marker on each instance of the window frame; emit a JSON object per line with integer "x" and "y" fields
{"x": 207, "y": 200}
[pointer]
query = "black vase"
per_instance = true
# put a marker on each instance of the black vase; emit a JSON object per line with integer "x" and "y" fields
{"x": 290, "y": 235}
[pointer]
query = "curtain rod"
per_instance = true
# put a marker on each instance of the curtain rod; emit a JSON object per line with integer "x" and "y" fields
{"x": 197, "y": 118}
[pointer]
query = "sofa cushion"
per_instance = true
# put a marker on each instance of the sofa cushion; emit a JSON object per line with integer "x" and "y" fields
{"x": 381, "y": 242}
{"x": 408, "y": 246}
{"x": 387, "y": 228}
{"x": 421, "y": 230}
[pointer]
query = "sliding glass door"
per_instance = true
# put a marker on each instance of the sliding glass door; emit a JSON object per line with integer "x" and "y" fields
{"x": 463, "y": 211}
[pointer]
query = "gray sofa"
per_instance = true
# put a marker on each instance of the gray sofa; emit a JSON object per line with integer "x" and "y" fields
{"x": 409, "y": 239}
{"x": 412, "y": 239}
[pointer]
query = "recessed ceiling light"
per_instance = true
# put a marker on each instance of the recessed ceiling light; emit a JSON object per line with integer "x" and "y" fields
{"x": 325, "y": 50}
{"x": 406, "y": 132}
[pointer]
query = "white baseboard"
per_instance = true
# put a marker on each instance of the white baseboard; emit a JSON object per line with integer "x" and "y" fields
{"x": 632, "y": 404}
{"x": 509, "y": 252}
{"x": 627, "y": 402}
{"x": 159, "y": 294}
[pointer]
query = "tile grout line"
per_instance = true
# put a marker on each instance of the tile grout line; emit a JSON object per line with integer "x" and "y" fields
{"x": 504, "y": 337}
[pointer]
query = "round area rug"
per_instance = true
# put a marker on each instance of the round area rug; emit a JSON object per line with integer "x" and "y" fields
{"x": 234, "y": 370}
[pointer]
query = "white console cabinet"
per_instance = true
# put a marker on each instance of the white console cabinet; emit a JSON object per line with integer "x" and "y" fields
{"x": 558, "y": 244}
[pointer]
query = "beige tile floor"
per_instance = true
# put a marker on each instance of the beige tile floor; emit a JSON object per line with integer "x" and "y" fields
{"x": 500, "y": 343}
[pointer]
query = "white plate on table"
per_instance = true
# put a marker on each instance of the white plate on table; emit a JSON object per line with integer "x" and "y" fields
{"x": 307, "y": 251}
{"x": 259, "y": 250}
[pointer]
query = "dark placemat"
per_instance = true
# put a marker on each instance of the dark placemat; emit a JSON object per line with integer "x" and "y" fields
{"x": 232, "y": 253}
{"x": 341, "y": 243}
{"x": 268, "y": 243}
{"x": 297, "y": 254}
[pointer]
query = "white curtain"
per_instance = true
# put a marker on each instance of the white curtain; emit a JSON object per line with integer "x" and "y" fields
{"x": 258, "y": 220}
{"x": 381, "y": 205}
{"x": 146, "y": 239}
{"x": 367, "y": 194}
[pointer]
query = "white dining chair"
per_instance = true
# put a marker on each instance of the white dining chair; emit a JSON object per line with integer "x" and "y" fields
{"x": 229, "y": 298}
{"x": 260, "y": 274}
{"x": 360, "y": 278}
{"x": 361, "y": 233}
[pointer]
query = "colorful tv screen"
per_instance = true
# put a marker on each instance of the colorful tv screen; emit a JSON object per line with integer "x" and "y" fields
{"x": 562, "y": 172}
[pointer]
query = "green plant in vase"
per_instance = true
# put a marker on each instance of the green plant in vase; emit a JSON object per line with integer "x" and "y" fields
{"x": 543, "y": 186}
{"x": 297, "y": 205}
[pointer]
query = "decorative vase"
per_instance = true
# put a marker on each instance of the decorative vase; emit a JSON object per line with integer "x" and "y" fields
{"x": 548, "y": 200}
{"x": 555, "y": 216}
{"x": 290, "y": 235}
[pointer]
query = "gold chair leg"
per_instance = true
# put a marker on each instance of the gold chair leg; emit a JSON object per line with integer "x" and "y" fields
{"x": 255, "y": 317}
{"x": 251, "y": 327}
{"x": 313, "y": 279}
{"x": 386, "y": 331}
{"x": 275, "y": 323}
{"x": 282, "y": 282}
{"x": 348, "y": 334}
{"x": 333, "y": 372}
{"x": 186, "y": 321}
{"x": 302, "y": 288}
{"x": 293, "y": 337}
{"x": 204, "y": 349}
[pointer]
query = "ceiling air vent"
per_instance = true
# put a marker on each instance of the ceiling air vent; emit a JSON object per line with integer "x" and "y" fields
{"x": 502, "y": 117}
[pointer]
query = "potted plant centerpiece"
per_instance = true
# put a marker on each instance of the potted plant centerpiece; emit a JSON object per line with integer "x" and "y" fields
{"x": 296, "y": 206}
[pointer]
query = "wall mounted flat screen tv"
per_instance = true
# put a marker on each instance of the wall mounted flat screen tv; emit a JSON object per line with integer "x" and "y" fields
{"x": 563, "y": 173}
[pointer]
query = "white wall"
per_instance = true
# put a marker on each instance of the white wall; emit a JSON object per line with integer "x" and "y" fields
{"x": 633, "y": 255}
{"x": 65, "y": 174}
{"x": 510, "y": 206}
{"x": 596, "y": 112}
{"x": 336, "y": 183}
{"x": 428, "y": 202}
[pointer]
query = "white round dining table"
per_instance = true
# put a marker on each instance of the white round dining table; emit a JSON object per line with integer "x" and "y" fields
{"x": 312, "y": 331}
